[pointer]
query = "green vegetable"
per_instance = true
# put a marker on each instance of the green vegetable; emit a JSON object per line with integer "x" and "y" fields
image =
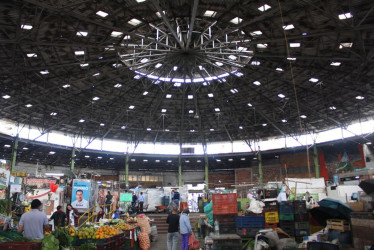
{"x": 50, "y": 242}
{"x": 63, "y": 237}
{"x": 87, "y": 246}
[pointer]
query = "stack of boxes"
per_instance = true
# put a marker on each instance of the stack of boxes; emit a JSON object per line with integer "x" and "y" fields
{"x": 248, "y": 226}
{"x": 301, "y": 220}
{"x": 271, "y": 214}
{"x": 225, "y": 208}
{"x": 287, "y": 218}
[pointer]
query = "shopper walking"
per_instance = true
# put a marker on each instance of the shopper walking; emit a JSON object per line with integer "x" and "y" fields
{"x": 185, "y": 228}
{"x": 72, "y": 215}
{"x": 175, "y": 196}
{"x": 173, "y": 221}
{"x": 59, "y": 218}
{"x": 108, "y": 201}
{"x": 32, "y": 223}
{"x": 141, "y": 202}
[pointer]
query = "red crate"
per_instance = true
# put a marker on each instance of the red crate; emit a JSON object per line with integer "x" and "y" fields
{"x": 21, "y": 245}
{"x": 225, "y": 209}
{"x": 224, "y": 198}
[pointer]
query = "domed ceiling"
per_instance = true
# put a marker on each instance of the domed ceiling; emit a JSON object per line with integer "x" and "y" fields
{"x": 186, "y": 71}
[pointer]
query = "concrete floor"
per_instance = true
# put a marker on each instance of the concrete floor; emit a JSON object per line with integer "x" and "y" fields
{"x": 161, "y": 243}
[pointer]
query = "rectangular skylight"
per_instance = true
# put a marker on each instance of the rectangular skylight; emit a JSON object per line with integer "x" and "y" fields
{"x": 53, "y": 114}
{"x": 249, "y": 104}
{"x": 26, "y": 27}
{"x": 96, "y": 98}
{"x": 44, "y": 72}
{"x": 81, "y": 120}
{"x": 132, "y": 106}
{"x": 280, "y": 95}
{"x": 116, "y": 34}
{"x": 190, "y": 97}
{"x": 209, "y": 13}
{"x": 101, "y": 13}
{"x": 240, "y": 127}
{"x": 134, "y": 22}
{"x": 175, "y": 68}
{"x": 345, "y": 16}
{"x": 239, "y": 74}
{"x": 140, "y": 1}
{"x": 264, "y": 7}
{"x": 137, "y": 77}
{"x": 236, "y": 20}
{"x": 32, "y": 55}
{"x": 294, "y": 45}
{"x": 313, "y": 79}
{"x": 145, "y": 93}
{"x": 144, "y": 60}
{"x": 256, "y": 63}
{"x": 84, "y": 65}
{"x": 117, "y": 65}
{"x": 332, "y": 108}
{"x": 96, "y": 74}
{"x": 257, "y": 83}
{"x": 219, "y": 64}
{"x": 284, "y": 120}
{"x": 279, "y": 69}
{"x": 303, "y": 116}
{"x": 127, "y": 37}
{"x": 118, "y": 85}
{"x": 29, "y": 105}
{"x": 168, "y": 96}
{"x": 234, "y": 91}
{"x": 201, "y": 67}
{"x": 177, "y": 84}
{"x": 212, "y": 129}
{"x": 336, "y": 64}
{"x": 291, "y": 58}
{"x": 82, "y": 33}
{"x": 256, "y": 33}
{"x": 288, "y": 27}
{"x": 210, "y": 95}
{"x": 232, "y": 57}
{"x": 158, "y": 65}
{"x": 190, "y": 111}
{"x": 6, "y": 96}
{"x": 217, "y": 110}
{"x": 262, "y": 45}
{"x": 66, "y": 86}
{"x": 79, "y": 52}
{"x": 345, "y": 45}
{"x": 163, "y": 110}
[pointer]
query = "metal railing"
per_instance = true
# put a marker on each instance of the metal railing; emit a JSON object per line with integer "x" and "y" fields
{"x": 92, "y": 215}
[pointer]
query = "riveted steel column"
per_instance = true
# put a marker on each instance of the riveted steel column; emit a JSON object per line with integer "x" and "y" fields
{"x": 14, "y": 153}
{"x": 127, "y": 170}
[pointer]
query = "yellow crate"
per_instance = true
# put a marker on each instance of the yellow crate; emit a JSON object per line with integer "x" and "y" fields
{"x": 339, "y": 225}
{"x": 271, "y": 217}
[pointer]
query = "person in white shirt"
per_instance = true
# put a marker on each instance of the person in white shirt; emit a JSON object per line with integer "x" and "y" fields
{"x": 79, "y": 202}
{"x": 141, "y": 202}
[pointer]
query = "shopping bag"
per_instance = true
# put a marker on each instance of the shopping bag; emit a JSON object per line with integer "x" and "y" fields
{"x": 193, "y": 243}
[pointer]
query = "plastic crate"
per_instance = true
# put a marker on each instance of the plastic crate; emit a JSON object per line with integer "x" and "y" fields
{"x": 21, "y": 245}
{"x": 285, "y": 216}
{"x": 226, "y": 208}
{"x": 302, "y": 232}
{"x": 286, "y": 208}
{"x": 271, "y": 217}
{"x": 224, "y": 198}
{"x": 247, "y": 231}
{"x": 301, "y": 217}
{"x": 301, "y": 225}
{"x": 288, "y": 227}
{"x": 249, "y": 221}
{"x": 271, "y": 206}
{"x": 227, "y": 228}
{"x": 224, "y": 218}
{"x": 220, "y": 247}
{"x": 300, "y": 207}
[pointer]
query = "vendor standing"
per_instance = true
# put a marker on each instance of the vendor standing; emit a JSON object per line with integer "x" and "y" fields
{"x": 59, "y": 218}
{"x": 32, "y": 223}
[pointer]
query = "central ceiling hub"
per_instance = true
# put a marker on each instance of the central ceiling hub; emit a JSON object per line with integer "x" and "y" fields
{"x": 173, "y": 52}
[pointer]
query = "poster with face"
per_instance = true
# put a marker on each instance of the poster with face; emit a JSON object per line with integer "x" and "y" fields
{"x": 80, "y": 194}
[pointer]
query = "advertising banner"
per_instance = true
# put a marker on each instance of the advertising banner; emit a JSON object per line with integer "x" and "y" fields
{"x": 80, "y": 194}
{"x": 4, "y": 174}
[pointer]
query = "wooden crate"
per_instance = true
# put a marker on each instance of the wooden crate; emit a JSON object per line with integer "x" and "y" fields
{"x": 339, "y": 225}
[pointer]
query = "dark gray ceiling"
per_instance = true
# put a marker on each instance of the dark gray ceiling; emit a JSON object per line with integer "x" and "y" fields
{"x": 328, "y": 102}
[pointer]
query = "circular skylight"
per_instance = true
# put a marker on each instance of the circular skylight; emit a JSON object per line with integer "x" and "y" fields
{"x": 182, "y": 54}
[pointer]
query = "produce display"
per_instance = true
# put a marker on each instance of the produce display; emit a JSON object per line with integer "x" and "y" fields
{"x": 143, "y": 223}
{"x": 124, "y": 226}
{"x": 50, "y": 242}
{"x": 98, "y": 233}
{"x": 144, "y": 242}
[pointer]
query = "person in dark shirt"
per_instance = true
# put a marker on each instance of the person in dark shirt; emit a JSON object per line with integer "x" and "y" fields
{"x": 173, "y": 221}
{"x": 100, "y": 215}
{"x": 58, "y": 218}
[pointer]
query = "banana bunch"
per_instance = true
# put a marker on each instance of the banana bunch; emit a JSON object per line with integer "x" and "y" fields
{"x": 71, "y": 230}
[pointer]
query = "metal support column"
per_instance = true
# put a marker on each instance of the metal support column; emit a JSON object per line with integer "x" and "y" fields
{"x": 260, "y": 170}
{"x": 127, "y": 170}
{"x": 72, "y": 163}
{"x": 206, "y": 172}
{"x": 14, "y": 154}
{"x": 180, "y": 171}
{"x": 316, "y": 162}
